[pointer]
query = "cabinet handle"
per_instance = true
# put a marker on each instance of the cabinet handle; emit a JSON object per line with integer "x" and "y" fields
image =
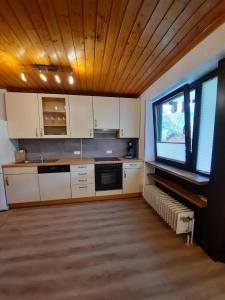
{"x": 7, "y": 181}
{"x": 83, "y": 187}
{"x": 90, "y": 132}
{"x": 96, "y": 124}
{"x": 125, "y": 174}
{"x": 36, "y": 133}
{"x": 121, "y": 132}
{"x": 82, "y": 173}
{"x": 82, "y": 180}
{"x": 41, "y": 133}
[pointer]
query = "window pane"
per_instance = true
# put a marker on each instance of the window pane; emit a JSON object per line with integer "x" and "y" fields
{"x": 170, "y": 123}
{"x": 207, "y": 120}
{"x": 192, "y": 113}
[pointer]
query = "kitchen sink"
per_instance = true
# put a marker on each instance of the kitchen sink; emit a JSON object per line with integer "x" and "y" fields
{"x": 37, "y": 161}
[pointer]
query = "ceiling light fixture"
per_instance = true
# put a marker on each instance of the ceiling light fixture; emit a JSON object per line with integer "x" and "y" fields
{"x": 57, "y": 78}
{"x": 23, "y": 76}
{"x": 71, "y": 79}
{"x": 43, "y": 77}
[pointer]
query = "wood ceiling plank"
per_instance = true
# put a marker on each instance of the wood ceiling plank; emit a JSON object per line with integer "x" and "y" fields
{"x": 172, "y": 14}
{"x": 48, "y": 13}
{"x": 89, "y": 15}
{"x": 157, "y": 16}
{"x": 116, "y": 19}
{"x": 187, "y": 32}
{"x": 25, "y": 22}
{"x": 34, "y": 12}
{"x": 143, "y": 17}
{"x": 62, "y": 12}
{"x": 103, "y": 17}
{"x": 25, "y": 54}
{"x": 129, "y": 19}
{"x": 24, "y": 51}
{"x": 216, "y": 21}
{"x": 115, "y": 47}
{"x": 77, "y": 30}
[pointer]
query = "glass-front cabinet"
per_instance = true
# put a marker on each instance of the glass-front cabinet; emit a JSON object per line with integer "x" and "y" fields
{"x": 54, "y": 115}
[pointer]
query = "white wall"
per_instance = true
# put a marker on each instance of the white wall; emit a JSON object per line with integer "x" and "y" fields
{"x": 2, "y": 105}
{"x": 200, "y": 60}
{"x": 7, "y": 146}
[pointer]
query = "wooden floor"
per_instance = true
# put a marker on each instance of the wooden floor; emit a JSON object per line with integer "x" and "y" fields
{"x": 118, "y": 249}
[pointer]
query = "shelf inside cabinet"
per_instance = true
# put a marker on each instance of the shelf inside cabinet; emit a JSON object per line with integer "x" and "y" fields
{"x": 54, "y": 125}
{"x": 174, "y": 187}
{"x": 54, "y": 112}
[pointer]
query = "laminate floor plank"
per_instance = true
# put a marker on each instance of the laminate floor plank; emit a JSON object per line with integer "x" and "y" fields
{"x": 101, "y": 250}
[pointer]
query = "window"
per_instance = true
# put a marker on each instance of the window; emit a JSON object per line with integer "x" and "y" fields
{"x": 170, "y": 128}
{"x": 184, "y": 125}
{"x": 192, "y": 113}
{"x": 207, "y": 121}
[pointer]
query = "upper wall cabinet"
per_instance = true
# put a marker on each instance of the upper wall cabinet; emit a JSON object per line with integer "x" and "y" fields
{"x": 106, "y": 112}
{"x": 81, "y": 116}
{"x": 54, "y": 115}
{"x": 22, "y": 115}
{"x": 129, "y": 118}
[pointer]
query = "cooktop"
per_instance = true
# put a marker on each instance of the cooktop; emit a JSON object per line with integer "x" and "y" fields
{"x": 107, "y": 159}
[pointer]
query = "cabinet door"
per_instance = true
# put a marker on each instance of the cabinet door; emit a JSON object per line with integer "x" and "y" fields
{"x": 22, "y": 188}
{"x": 106, "y": 112}
{"x": 54, "y": 115}
{"x": 129, "y": 118}
{"x": 22, "y": 115}
{"x": 132, "y": 180}
{"x": 81, "y": 116}
{"x": 55, "y": 186}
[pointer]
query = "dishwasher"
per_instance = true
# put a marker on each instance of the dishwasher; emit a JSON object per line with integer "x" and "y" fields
{"x": 54, "y": 182}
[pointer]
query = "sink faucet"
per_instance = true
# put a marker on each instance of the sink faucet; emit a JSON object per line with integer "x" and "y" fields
{"x": 41, "y": 157}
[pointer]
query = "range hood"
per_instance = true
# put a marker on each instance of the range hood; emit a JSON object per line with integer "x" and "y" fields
{"x": 106, "y": 133}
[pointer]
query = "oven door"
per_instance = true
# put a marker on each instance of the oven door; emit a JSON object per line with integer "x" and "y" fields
{"x": 108, "y": 177}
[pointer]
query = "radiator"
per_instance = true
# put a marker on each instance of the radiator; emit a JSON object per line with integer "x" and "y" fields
{"x": 175, "y": 214}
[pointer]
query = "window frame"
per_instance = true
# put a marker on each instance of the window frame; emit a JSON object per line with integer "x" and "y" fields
{"x": 191, "y": 155}
{"x": 185, "y": 90}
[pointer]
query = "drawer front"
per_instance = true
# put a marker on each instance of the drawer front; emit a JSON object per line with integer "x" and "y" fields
{"x": 83, "y": 174}
{"x": 134, "y": 165}
{"x": 82, "y": 180}
{"x": 78, "y": 168}
{"x": 20, "y": 170}
{"x": 83, "y": 190}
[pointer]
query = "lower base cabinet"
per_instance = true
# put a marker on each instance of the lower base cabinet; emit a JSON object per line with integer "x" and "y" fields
{"x": 21, "y": 185}
{"x": 82, "y": 181}
{"x": 132, "y": 178}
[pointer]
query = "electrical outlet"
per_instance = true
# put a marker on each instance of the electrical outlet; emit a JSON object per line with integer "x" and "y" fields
{"x": 108, "y": 151}
{"x": 76, "y": 152}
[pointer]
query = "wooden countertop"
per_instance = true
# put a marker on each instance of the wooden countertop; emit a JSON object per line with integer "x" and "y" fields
{"x": 69, "y": 161}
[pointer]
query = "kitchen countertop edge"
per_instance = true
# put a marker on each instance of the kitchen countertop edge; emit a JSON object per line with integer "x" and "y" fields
{"x": 71, "y": 161}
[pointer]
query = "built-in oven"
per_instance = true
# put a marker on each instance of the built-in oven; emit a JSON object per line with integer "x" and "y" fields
{"x": 108, "y": 176}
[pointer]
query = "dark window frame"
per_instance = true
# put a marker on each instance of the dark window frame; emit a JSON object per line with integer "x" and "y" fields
{"x": 191, "y": 154}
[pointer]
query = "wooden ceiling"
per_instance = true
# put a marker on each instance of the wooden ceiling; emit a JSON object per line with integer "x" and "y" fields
{"x": 114, "y": 47}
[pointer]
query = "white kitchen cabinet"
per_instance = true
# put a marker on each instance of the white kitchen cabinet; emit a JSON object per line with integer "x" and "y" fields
{"x": 22, "y": 115}
{"x": 129, "y": 118}
{"x": 54, "y": 115}
{"x": 132, "y": 177}
{"x": 82, "y": 181}
{"x": 81, "y": 116}
{"x": 106, "y": 112}
{"x": 21, "y": 185}
{"x": 55, "y": 186}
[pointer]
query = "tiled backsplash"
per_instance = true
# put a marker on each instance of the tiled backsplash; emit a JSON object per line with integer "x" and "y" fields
{"x": 62, "y": 148}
